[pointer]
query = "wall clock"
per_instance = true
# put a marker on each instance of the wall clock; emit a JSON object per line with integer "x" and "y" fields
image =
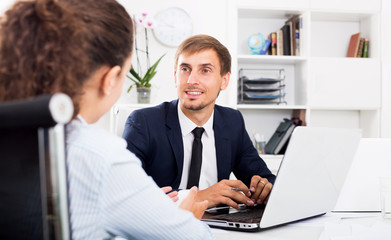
{"x": 173, "y": 26}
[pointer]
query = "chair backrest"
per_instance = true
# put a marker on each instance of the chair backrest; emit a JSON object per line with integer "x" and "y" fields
{"x": 120, "y": 114}
{"x": 33, "y": 179}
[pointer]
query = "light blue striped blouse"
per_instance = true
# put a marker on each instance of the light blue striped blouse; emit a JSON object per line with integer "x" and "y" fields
{"x": 111, "y": 195}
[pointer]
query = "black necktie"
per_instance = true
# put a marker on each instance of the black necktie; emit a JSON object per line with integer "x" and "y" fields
{"x": 196, "y": 158}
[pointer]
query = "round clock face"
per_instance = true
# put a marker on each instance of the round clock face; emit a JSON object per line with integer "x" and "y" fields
{"x": 173, "y": 26}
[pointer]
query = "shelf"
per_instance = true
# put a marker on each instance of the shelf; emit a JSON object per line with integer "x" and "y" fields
{"x": 331, "y": 89}
{"x": 340, "y": 16}
{"x": 346, "y": 59}
{"x": 243, "y": 58}
{"x": 334, "y": 108}
{"x": 247, "y": 12}
{"x": 272, "y": 107}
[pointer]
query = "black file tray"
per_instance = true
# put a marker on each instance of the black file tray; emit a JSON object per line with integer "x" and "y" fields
{"x": 261, "y": 86}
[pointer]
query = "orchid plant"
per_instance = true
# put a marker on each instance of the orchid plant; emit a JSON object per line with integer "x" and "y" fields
{"x": 146, "y": 22}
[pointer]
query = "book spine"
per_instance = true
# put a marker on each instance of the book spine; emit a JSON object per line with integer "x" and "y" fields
{"x": 286, "y": 34}
{"x": 297, "y": 39}
{"x": 274, "y": 43}
{"x": 360, "y": 48}
{"x": 365, "y": 51}
{"x": 280, "y": 43}
{"x": 265, "y": 47}
{"x": 301, "y": 35}
{"x": 353, "y": 45}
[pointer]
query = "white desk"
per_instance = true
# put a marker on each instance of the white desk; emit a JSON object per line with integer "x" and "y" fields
{"x": 332, "y": 226}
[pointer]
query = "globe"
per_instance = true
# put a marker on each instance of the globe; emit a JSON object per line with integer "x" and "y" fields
{"x": 256, "y": 42}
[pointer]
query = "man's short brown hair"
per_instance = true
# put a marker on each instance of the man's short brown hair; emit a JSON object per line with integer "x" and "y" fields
{"x": 200, "y": 43}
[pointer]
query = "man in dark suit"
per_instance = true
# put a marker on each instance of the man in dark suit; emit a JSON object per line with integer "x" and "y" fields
{"x": 162, "y": 136}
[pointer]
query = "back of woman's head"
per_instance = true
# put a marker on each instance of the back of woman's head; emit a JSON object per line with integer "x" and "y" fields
{"x": 51, "y": 46}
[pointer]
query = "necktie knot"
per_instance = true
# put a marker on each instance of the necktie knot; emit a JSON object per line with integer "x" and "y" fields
{"x": 197, "y": 132}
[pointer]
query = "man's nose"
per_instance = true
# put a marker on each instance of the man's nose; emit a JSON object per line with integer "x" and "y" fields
{"x": 193, "y": 78}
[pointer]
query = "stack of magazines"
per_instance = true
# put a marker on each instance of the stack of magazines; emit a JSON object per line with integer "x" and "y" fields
{"x": 261, "y": 86}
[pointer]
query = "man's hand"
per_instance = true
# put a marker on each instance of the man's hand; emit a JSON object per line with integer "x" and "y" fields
{"x": 173, "y": 195}
{"x": 260, "y": 188}
{"x": 191, "y": 204}
{"x": 223, "y": 193}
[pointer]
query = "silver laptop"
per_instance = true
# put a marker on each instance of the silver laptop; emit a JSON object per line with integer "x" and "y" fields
{"x": 308, "y": 181}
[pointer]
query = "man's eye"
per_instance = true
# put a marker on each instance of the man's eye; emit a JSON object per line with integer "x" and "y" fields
{"x": 206, "y": 70}
{"x": 185, "y": 69}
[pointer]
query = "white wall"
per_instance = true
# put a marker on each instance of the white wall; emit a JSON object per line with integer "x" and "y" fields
{"x": 385, "y": 124}
{"x": 210, "y": 17}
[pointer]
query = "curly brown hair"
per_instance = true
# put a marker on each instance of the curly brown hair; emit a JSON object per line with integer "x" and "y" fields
{"x": 49, "y": 46}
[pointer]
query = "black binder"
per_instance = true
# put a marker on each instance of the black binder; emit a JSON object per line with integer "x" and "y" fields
{"x": 286, "y": 31}
{"x": 280, "y": 137}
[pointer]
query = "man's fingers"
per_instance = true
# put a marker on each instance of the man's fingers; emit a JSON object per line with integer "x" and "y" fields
{"x": 230, "y": 202}
{"x": 237, "y": 184}
{"x": 237, "y": 196}
{"x": 254, "y": 183}
{"x": 265, "y": 193}
{"x": 259, "y": 189}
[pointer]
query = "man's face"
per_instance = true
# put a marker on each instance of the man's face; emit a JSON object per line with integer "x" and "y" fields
{"x": 198, "y": 80}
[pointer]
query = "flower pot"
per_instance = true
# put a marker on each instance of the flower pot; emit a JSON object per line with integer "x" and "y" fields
{"x": 143, "y": 94}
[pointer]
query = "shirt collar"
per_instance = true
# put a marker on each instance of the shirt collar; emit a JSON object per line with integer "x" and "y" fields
{"x": 81, "y": 119}
{"x": 187, "y": 125}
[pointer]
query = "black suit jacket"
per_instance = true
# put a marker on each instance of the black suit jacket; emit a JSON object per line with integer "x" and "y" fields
{"x": 154, "y": 135}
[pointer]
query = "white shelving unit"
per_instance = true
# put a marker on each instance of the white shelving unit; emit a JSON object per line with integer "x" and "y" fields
{"x": 334, "y": 91}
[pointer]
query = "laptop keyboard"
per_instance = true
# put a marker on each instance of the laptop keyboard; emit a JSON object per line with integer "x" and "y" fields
{"x": 248, "y": 213}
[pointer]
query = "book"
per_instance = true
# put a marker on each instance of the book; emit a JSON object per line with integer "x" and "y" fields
{"x": 280, "y": 137}
{"x": 265, "y": 47}
{"x": 274, "y": 43}
{"x": 360, "y": 47}
{"x": 293, "y": 25}
{"x": 297, "y": 43}
{"x": 365, "y": 50}
{"x": 280, "y": 43}
{"x": 353, "y": 45}
{"x": 301, "y": 27}
{"x": 286, "y": 33}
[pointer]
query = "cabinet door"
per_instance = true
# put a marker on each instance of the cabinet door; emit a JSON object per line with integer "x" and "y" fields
{"x": 359, "y": 5}
{"x": 345, "y": 83}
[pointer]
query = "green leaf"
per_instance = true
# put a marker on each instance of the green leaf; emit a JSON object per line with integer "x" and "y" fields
{"x": 135, "y": 81}
{"x": 143, "y": 82}
{"x": 135, "y": 74}
{"x": 130, "y": 88}
{"x": 152, "y": 70}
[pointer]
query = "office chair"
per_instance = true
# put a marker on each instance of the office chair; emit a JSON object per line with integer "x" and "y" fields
{"x": 33, "y": 180}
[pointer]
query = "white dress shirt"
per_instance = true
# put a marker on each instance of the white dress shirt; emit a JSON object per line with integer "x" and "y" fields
{"x": 208, "y": 175}
{"x": 111, "y": 195}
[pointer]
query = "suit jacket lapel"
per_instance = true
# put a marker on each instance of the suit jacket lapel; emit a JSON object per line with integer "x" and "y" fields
{"x": 223, "y": 146}
{"x": 174, "y": 134}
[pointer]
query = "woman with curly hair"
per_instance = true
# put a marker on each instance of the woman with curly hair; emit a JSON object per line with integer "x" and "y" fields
{"x": 84, "y": 48}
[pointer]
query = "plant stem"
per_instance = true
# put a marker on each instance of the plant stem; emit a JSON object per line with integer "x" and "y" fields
{"x": 139, "y": 70}
{"x": 146, "y": 47}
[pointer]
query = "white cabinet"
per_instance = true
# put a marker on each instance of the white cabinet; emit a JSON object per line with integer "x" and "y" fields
{"x": 331, "y": 90}
{"x": 340, "y": 83}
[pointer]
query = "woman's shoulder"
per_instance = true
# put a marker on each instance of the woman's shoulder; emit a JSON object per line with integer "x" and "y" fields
{"x": 96, "y": 141}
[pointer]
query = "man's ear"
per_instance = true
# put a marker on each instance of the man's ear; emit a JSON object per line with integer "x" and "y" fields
{"x": 109, "y": 80}
{"x": 225, "y": 81}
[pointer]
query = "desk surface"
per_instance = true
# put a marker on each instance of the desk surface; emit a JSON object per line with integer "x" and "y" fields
{"x": 363, "y": 226}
